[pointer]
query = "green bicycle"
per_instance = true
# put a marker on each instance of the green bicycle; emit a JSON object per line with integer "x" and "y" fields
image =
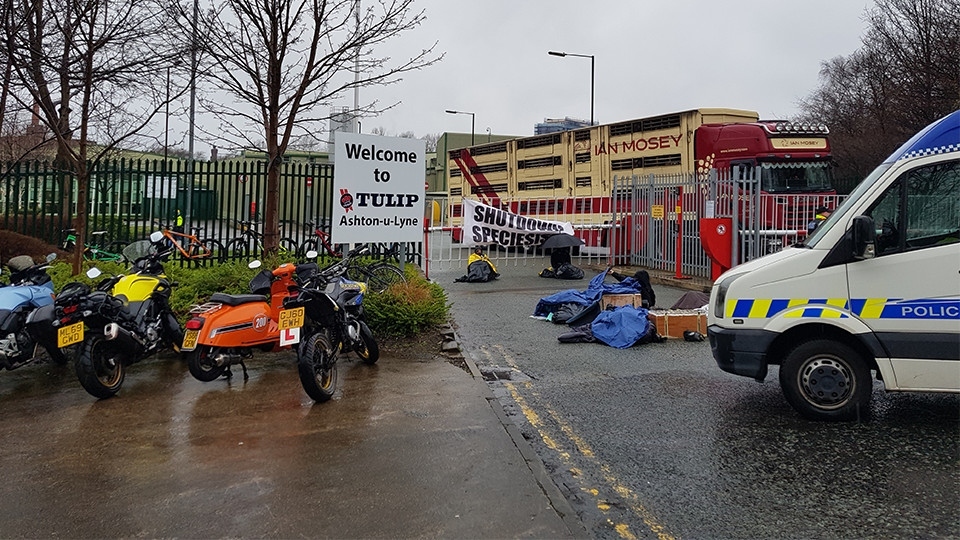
{"x": 99, "y": 250}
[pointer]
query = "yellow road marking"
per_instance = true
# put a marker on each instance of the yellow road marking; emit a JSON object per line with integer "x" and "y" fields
{"x": 587, "y": 452}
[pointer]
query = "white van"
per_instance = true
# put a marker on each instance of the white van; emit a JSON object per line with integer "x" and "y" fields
{"x": 875, "y": 288}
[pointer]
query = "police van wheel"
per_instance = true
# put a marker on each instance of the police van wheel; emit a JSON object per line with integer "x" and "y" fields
{"x": 827, "y": 380}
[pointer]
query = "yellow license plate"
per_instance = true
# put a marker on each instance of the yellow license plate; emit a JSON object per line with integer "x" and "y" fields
{"x": 190, "y": 340}
{"x": 68, "y": 335}
{"x": 291, "y": 318}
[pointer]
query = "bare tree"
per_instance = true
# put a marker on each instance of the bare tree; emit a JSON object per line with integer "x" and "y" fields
{"x": 430, "y": 141}
{"x": 906, "y": 74}
{"x": 91, "y": 68}
{"x": 284, "y": 61}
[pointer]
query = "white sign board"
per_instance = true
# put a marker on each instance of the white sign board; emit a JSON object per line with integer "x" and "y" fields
{"x": 378, "y": 189}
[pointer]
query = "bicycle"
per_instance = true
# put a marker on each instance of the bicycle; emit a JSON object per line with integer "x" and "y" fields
{"x": 320, "y": 239}
{"x": 391, "y": 252}
{"x": 196, "y": 250}
{"x": 378, "y": 276}
{"x": 97, "y": 251}
{"x": 250, "y": 242}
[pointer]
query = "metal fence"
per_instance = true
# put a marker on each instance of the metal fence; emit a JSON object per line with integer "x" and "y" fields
{"x": 130, "y": 198}
{"x": 654, "y": 223}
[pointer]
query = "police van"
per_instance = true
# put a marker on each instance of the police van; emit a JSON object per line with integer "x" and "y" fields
{"x": 874, "y": 289}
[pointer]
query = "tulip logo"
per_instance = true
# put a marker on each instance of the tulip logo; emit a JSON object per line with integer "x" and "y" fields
{"x": 346, "y": 200}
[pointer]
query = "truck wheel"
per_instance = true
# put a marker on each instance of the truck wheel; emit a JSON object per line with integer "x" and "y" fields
{"x": 826, "y": 380}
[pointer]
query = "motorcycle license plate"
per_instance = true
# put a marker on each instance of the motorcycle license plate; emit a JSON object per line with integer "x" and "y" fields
{"x": 190, "y": 340}
{"x": 68, "y": 335}
{"x": 291, "y": 318}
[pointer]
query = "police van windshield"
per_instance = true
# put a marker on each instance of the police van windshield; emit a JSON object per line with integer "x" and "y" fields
{"x": 844, "y": 207}
{"x": 797, "y": 177}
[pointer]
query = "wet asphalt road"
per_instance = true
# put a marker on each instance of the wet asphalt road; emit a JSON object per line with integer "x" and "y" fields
{"x": 409, "y": 448}
{"x": 656, "y": 442}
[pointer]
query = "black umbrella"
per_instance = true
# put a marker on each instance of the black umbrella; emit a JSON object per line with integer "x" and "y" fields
{"x": 561, "y": 240}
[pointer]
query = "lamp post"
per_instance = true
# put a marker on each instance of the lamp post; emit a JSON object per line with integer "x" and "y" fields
{"x": 473, "y": 123}
{"x": 591, "y": 57}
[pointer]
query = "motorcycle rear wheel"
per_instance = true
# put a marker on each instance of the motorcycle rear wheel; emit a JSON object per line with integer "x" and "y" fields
{"x": 201, "y": 365}
{"x": 367, "y": 348}
{"x": 317, "y": 366}
{"x": 100, "y": 367}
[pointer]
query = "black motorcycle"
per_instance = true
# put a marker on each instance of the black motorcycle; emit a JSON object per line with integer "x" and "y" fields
{"x": 334, "y": 324}
{"x": 29, "y": 294}
{"x": 121, "y": 321}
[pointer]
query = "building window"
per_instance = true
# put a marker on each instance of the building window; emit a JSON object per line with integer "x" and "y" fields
{"x": 533, "y": 142}
{"x": 539, "y": 162}
{"x": 540, "y": 184}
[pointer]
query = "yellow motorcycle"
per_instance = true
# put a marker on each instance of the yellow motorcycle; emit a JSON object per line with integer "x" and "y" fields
{"x": 125, "y": 319}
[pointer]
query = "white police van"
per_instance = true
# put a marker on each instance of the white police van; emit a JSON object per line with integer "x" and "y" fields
{"x": 876, "y": 288}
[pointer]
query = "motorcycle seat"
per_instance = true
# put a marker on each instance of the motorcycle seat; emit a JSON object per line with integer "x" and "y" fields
{"x": 237, "y": 299}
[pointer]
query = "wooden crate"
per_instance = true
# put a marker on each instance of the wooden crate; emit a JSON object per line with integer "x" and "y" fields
{"x": 618, "y": 300}
{"x": 674, "y": 322}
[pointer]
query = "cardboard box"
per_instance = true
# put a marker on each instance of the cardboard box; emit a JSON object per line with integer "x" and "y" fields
{"x": 618, "y": 300}
{"x": 673, "y": 323}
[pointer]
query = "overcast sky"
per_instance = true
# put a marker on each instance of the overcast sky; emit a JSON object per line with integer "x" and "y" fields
{"x": 650, "y": 58}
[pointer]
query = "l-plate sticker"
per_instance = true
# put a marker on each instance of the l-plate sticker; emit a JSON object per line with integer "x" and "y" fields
{"x": 290, "y": 336}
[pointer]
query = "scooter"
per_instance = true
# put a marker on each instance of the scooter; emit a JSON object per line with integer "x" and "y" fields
{"x": 334, "y": 325}
{"x": 30, "y": 289}
{"x": 125, "y": 319}
{"x": 226, "y": 329}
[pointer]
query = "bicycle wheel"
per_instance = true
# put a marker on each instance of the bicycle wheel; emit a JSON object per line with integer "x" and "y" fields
{"x": 307, "y": 245}
{"x": 381, "y": 276}
{"x": 288, "y": 249}
{"x": 238, "y": 249}
{"x": 115, "y": 250}
{"x": 210, "y": 252}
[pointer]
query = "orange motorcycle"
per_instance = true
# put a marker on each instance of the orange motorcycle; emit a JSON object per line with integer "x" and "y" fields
{"x": 226, "y": 329}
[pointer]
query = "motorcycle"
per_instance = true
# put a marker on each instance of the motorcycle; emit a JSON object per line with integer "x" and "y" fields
{"x": 334, "y": 324}
{"x": 30, "y": 290}
{"x": 121, "y": 321}
{"x": 226, "y": 329}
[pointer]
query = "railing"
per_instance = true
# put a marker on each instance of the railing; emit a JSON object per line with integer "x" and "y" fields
{"x": 128, "y": 197}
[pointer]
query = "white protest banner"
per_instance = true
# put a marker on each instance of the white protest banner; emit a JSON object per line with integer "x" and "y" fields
{"x": 378, "y": 189}
{"x": 483, "y": 224}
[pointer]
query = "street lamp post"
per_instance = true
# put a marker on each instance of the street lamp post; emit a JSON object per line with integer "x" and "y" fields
{"x": 473, "y": 123}
{"x": 591, "y": 57}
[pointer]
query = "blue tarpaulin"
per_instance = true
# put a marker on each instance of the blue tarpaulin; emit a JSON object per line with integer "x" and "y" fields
{"x": 621, "y": 327}
{"x": 596, "y": 289}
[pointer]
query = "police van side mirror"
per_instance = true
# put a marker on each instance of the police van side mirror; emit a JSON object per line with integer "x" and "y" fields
{"x": 864, "y": 238}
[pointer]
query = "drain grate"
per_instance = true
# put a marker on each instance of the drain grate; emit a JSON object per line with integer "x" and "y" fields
{"x": 499, "y": 373}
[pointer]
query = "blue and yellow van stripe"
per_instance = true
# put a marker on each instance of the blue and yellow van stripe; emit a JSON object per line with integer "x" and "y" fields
{"x": 839, "y": 308}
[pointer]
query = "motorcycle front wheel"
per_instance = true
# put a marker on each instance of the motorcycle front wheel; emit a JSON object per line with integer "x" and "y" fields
{"x": 100, "y": 367}
{"x": 317, "y": 366}
{"x": 202, "y": 366}
{"x": 367, "y": 348}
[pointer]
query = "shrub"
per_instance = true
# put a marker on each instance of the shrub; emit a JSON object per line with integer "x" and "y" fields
{"x": 405, "y": 309}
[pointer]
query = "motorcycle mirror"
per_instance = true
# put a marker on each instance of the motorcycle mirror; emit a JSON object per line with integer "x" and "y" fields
{"x": 312, "y": 254}
{"x": 254, "y": 264}
{"x": 94, "y": 273}
{"x": 156, "y": 236}
{"x": 51, "y": 257}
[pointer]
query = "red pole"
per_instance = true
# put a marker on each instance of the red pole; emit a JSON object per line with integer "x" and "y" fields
{"x": 679, "y": 209}
{"x": 426, "y": 249}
